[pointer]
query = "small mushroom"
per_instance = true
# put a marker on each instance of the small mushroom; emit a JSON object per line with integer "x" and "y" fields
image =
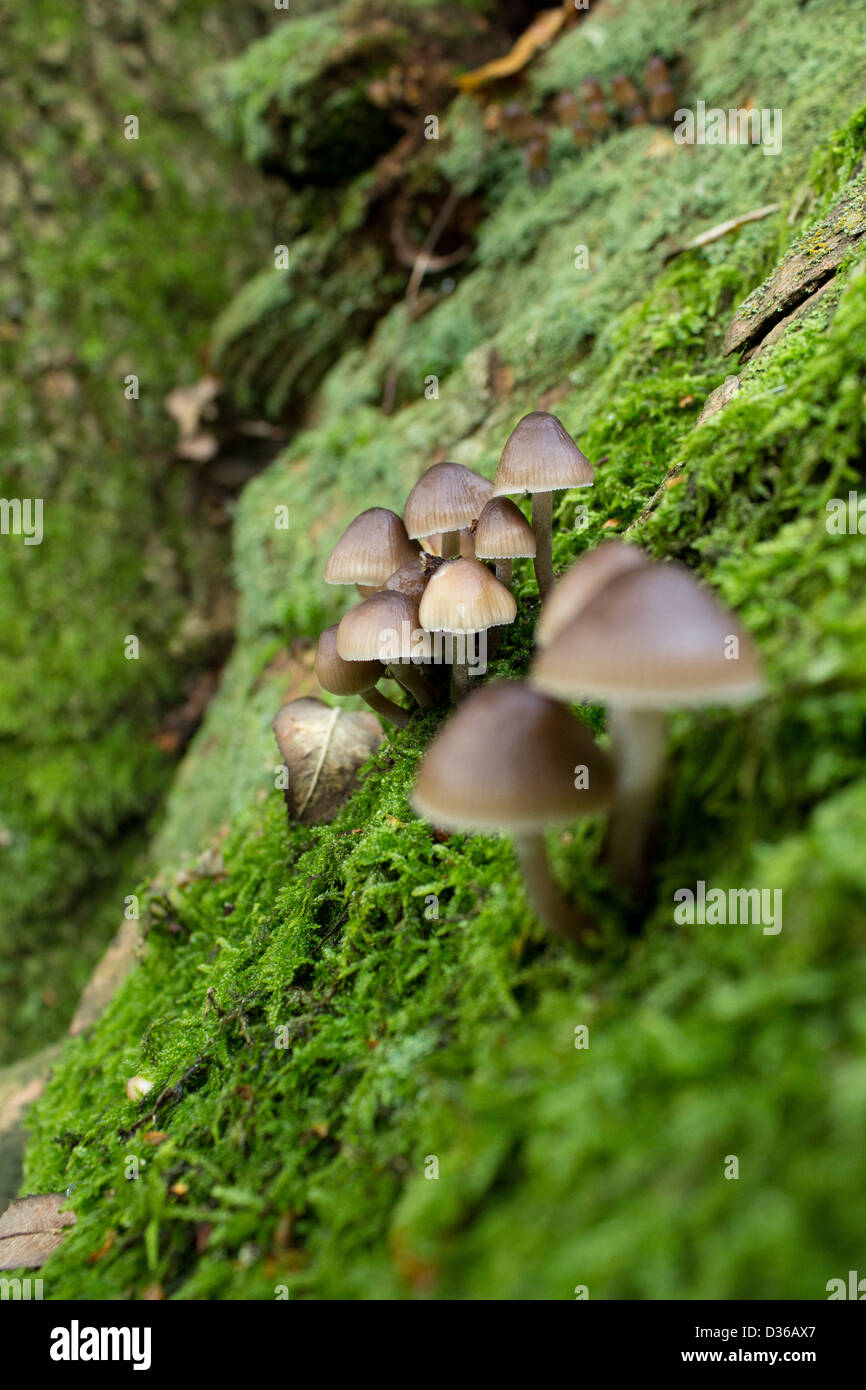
{"x": 636, "y": 115}
{"x": 663, "y": 102}
{"x": 598, "y": 115}
{"x": 516, "y": 123}
{"x": 373, "y": 546}
{"x": 625, "y": 93}
{"x": 651, "y": 640}
{"x": 386, "y": 628}
{"x": 656, "y": 73}
{"x": 409, "y": 579}
{"x": 567, "y": 108}
{"x": 581, "y": 133}
{"x": 591, "y": 90}
{"x": 540, "y": 457}
{"x": 506, "y": 762}
{"x": 341, "y": 677}
{"x": 463, "y": 598}
{"x": 503, "y": 534}
{"x": 446, "y": 498}
{"x": 535, "y": 155}
{"x": 597, "y": 567}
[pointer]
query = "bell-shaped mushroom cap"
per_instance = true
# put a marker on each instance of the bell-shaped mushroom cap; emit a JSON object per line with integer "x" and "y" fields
{"x": 507, "y": 761}
{"x": 463, "y": 596}
{"x": 341, "y": 677}
{"x": 409, "y": 579}
{"x": 503, "y": 533}
{"x": 593, "y": 570}
{"x": 373, "y": 546}
{"x": 445, "y": 498}
{"x": 540, "y": 456}
{"x": 652, "y": 639}
{"x": 385, "y": 627}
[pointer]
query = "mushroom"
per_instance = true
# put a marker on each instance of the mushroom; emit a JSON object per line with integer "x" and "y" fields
{"x": 409, "y": 579}
{"x": 567, "y": 108}
{"x": 541, "y": 457}
{"x": 598, "y": 115}
{"x": 594, "y": 569}
{"x": 341, "y": 677}
{"x": 503, "y": 534}
{"x": 592, "y": 90}
{"x": 517, "y": 123}
{"x": 625, "y": 93}
{"x": 663, "y": 102}
{"x": 373, "y": 546}
{"x": 386, "y": 628}
{"x": 535, "y": 155}
{"x": 445, "y": 498}
{"x": 651, "y": 640}
{"x": 656, "y": 73}
{"x": 464, "y": 598}
{"x": 581, "y": 133}
{"x": 507, "y": 762}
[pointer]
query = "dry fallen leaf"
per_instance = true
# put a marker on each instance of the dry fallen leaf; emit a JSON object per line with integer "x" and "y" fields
{"x": 322, "y": 749}
{"x": 31, "y": 1228}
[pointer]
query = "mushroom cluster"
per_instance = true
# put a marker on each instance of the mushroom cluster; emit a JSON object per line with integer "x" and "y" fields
{"x": 640, "y": 637}
{"x": 589, "y": 113}
{"x": 435, "y": 584}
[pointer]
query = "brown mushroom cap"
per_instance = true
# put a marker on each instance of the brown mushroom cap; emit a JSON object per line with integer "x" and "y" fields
{"x": 409, "y": 579}
{"x": 593, "y": 570}
{"x": 385, "y": 627}
{"x": 656, "y": 72}
{"x": 540, "y": 456}
{"x": 653, "y": 639}
{"x": 373, "y": 546}
{"x": 445, "y": 498}
{"x": 503, "y": 533}
{"x": 341, "y": 677}
{"x": 506, "y": 761}
{"x": 463, "y": 596}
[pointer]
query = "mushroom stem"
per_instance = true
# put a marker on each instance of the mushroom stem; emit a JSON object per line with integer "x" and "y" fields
{"x": 504, "y": 570}
{"x": 387, "y": 709}
{"x": 460, "y": 679}
{"x": 542, "y": 525}
{"x": 450, "y": 545}
{"x": 365, "y": 590}
{"x": 550, "y": 906}
{"x": 638, "y": 748}
{"x": 415, "y": 682}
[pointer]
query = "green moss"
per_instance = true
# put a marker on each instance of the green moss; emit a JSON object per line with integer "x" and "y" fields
{"x": 128, "y": 288}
